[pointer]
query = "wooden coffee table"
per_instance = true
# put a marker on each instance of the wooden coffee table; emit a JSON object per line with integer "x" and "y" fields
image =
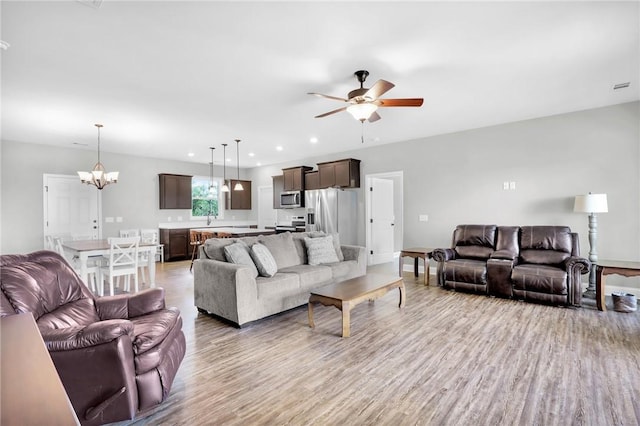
{"x": 347, "y": 294}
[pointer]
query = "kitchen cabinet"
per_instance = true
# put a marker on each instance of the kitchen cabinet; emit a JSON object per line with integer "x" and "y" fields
{"x": 238, "y": 200}
{"x": 342, "y": 173}
{"x": 175, "y": 191}
{"x": 278, "y": 187}
{"x": 294, "y": 178}
{"x": 176, "y": 243}
{"x": 312, "y": 180}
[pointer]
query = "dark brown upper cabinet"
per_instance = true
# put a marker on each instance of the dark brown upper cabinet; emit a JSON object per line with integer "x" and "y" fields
{"x": 238, "y": 200}
{"x": 175, "y": 191}
{"x": 294, "y": 178}
{"x": 342, "y": 173}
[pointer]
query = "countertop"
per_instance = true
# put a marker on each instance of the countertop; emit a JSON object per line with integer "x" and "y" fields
{"x": 190, "y": 224}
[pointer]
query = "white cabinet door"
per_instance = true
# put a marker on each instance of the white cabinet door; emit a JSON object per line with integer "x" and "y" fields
{"x": 382, "y": 221}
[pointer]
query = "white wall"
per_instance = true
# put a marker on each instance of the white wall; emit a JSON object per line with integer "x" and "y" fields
{"x": 455, "y": 178}
{"x": 134, "y": 198}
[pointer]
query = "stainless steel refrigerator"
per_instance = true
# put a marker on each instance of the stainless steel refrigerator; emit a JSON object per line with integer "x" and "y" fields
{"x": 333, "y": 210}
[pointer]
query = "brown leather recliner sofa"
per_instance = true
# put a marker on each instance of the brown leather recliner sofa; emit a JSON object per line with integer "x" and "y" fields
{"x": 533, "y": 263}
{"x": 116, "y": 355}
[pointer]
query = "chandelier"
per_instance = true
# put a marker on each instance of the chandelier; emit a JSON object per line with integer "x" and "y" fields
{"x": 98, "y": 177}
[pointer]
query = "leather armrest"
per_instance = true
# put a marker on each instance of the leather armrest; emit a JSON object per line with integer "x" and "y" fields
{"x": 579, "y": 264}
{"x": 443, "y": 254}
{"x": 65, "y": 339}
{"x": 503, "y": 254}
{"x": 125, "y": 306}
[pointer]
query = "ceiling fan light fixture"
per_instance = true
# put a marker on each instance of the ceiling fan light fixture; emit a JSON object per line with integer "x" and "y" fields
{"x": 362, "y": 111}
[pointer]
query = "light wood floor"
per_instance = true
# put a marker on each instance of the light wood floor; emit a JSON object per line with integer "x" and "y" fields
{"x": 447, "y": 358}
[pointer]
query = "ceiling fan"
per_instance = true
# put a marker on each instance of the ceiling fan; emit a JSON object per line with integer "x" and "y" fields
{"x": 364, "y": 102}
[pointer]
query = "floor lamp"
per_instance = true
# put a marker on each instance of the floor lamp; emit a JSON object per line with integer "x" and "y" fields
{"x": 592, "y": 204}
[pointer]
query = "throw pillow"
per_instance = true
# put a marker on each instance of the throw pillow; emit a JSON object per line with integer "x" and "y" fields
{"x": 320, "y": 250}
{"x": 264, "y": 260}
{"x": 282, "y": 249}
{"x": 238, "y": 253}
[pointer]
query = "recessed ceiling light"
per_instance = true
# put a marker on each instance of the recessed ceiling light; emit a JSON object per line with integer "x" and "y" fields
{"x": 191, "y": 154}
{"x": 4, "y": 45}
{"x": 228, "y": 160}
{"x": 313, "y": 140}
{"x": 621, "y": 85}
{"x": 258, "y": 164}
{"x": 279, "y": 148}
{"x": 251, "y": 154}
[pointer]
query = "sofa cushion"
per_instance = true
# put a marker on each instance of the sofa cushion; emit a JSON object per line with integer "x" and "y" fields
{"x": 282, "y": 249}
{"x": 466, "y": 271}
{"x": 543, "y": 257}
{"x": 546, "y": 238}
{"x": 238, "y": 253}
{"x": 474, "y": 252}
{"x": 321, "y": 250}
{"x": 310, "y": 275}
{"x": 301, "y": 248}
{"x": 214, "y": 248}
{"x": 540, "y": 279}
{"x": 277, "y": 286}
{"x": 264, "y": 261}
{"x": 475, "y": 235}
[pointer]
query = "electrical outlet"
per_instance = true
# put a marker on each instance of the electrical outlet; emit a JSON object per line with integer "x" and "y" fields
{"x": 423, "y": 218}
{"x": 505, "y": 185}
{"x": 179, "y": 218}
{"x": 119, "y": 219}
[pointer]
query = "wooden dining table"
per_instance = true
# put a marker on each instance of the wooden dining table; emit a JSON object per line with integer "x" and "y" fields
{"x": 84, "y": 249}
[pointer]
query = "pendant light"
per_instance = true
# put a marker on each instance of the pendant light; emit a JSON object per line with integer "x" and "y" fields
{"x": 211, "y": 189}
{"x": 98, "y": 177}
{"x": 238, "y": 185}
{"x": 225, "y": 187}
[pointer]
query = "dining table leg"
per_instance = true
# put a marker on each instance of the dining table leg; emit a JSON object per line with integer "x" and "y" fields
{"x": 151, "y": 258}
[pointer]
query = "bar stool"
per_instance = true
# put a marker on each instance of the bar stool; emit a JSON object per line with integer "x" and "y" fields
{"x": 195, "y": 240}
{"x": 223, "y": 235}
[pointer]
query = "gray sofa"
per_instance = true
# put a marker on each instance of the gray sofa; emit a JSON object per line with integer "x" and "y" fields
{"x": 231, "y": 291}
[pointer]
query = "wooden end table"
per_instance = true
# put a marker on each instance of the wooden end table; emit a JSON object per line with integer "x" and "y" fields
{"x": 417, "y": 253}
{"x": 347, "y": 294}
{"x": 610, "y": 267}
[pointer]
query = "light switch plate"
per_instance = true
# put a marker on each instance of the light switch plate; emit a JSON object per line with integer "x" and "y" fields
{"x": 423, "y": 218}
{"x": 119, "y": 219}
{"x": 108, "y": 219}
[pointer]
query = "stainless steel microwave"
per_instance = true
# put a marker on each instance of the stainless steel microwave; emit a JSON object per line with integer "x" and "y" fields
{"x": 291, "y": 199}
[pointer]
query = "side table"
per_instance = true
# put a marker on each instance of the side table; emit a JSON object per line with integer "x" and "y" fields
{"x": 417, "y": 253}
{"x": 609, "y": 267}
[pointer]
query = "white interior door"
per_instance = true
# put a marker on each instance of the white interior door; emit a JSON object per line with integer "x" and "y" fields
{"x": 382, "y": 221}
{"x": 71, "y": 208}
{"x": 266, "y": 212}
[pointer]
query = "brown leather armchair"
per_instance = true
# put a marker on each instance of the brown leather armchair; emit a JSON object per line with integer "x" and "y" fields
{"x": 116, "y": 355}
{"x": 464, "y": 266}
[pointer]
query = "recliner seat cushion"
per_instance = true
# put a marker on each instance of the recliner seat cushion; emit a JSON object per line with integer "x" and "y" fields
{"x": 466, "y": 270}
{"x": 540, "y": 279}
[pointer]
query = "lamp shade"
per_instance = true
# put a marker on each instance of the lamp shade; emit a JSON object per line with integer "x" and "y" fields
{"x": 591, "y": 203}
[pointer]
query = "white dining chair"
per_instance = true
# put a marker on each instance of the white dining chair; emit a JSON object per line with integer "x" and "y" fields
{"x": 151, "y": 236}
{"x": 126, "y": 233}
{"x": 49, "y": 243}
{"x": 123, "y": 262}
{"x": 93, "y": 266}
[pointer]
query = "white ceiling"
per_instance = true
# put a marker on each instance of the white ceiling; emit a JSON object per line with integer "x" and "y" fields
{"x": 171, "y": 77}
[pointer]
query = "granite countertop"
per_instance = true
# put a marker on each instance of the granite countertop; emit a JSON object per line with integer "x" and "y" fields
{"x": 190, "y": 224}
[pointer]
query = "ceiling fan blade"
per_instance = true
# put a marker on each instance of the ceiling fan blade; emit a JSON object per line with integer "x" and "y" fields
{"x": 331, "y": 112}
{"x": 409, "y": 102}
{"x": 374, "y": 117}
{"x": 328, "y": 97}
{"x": 378, "y": 89}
